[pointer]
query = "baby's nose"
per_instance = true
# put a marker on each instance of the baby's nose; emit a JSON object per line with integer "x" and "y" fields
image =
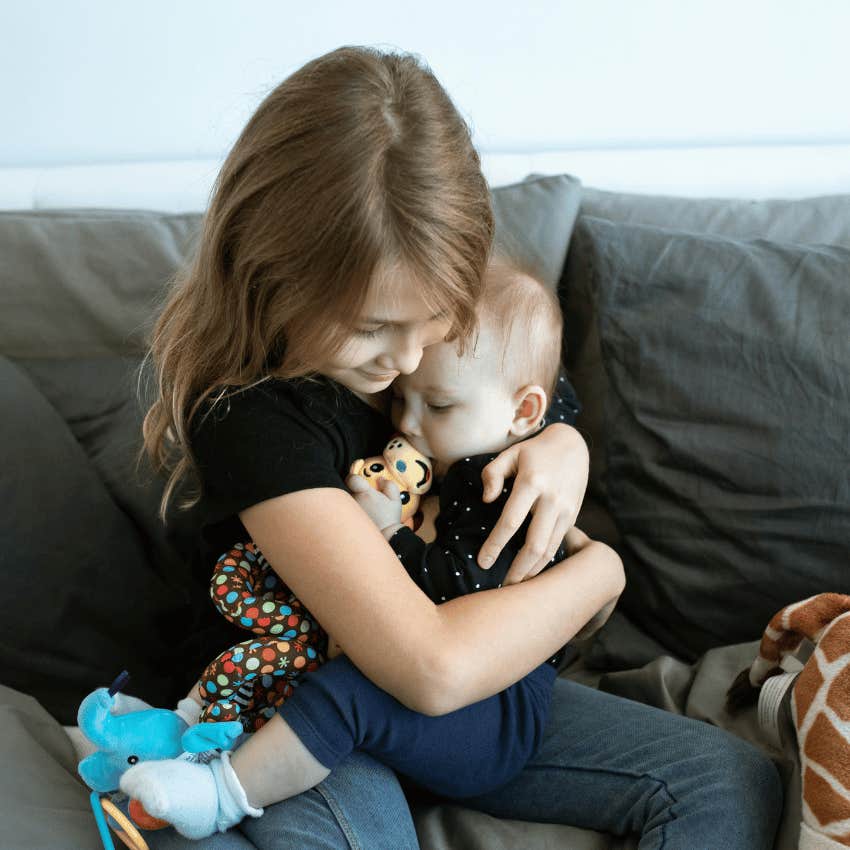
{"x": 408, "y": 423}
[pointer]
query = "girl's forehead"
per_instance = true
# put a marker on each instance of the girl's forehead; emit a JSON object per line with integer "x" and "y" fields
{"x": 395, "y": 297}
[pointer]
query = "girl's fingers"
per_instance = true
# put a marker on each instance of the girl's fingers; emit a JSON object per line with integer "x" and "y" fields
{"x": 533, "y": 555}
{"x": 516, "y": 509}
{"x": 494, "y": 474}
{"x": 575, "y": 540}
{"x": 556, "y": 542}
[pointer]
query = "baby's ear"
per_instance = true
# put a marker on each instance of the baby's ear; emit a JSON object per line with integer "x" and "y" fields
{"x": 530, "y": 407}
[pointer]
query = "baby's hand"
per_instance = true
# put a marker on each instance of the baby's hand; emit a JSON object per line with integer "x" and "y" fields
{"x": 384, "y": 507}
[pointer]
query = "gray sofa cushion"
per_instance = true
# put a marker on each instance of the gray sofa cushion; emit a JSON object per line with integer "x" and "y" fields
{"x": 811, "y": 220}
{"x": 85, "y": 283}
{"x": 822, "y": 220}
{"x": 535, "y": 220}
{"x": 99, "y": 401}
{"x": 43, "y": 805}
{"x": 89, "y": 283}
{"x": 92, "y": 589}
{"x": 727, "y": 415}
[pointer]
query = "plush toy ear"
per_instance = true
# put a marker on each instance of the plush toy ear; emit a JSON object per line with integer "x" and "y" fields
{"x": 96, "y": 720}
{"x": 100, "y": 772}
{"x": 126, "y": 704}
{"x": 212, "y": 736}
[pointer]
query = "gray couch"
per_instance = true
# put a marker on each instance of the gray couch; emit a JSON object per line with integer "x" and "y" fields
{"x": 707, "y": 340}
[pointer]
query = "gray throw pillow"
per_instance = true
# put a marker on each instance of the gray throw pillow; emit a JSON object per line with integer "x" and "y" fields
{"x": 727, "y": 420}
{"x": 534, "y": 222}
{"x": 86, "y": 283}
{"x": 88, "y": 594}
{"x": 89, "y": 283}
{"x": 821, "y": 220}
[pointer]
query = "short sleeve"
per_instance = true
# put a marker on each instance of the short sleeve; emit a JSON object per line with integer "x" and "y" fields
{"x": 260, "y": 443}
{"x": 565, "y": 406}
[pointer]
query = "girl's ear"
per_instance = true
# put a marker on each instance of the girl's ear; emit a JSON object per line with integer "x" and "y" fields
{"x": 530, "y": 406}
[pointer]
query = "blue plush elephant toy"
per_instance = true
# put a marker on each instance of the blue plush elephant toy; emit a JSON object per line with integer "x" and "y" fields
{"x": 127, "y": 730}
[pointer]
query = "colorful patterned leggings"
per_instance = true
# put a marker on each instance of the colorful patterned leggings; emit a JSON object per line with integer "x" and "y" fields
{"x": 248, "y": 681}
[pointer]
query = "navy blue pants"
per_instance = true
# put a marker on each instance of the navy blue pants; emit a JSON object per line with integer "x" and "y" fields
{"x": 337, "y": 710}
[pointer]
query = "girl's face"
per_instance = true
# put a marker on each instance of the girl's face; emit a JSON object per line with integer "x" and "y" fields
{"x": 388, "y": 336}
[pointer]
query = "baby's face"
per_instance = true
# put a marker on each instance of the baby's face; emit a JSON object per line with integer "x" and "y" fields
{"x": 452, "y": 407}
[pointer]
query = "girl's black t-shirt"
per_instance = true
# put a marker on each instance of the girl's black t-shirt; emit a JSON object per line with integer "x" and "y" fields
{"x": 278, "y": 437}
{"x": 274, "y": 438}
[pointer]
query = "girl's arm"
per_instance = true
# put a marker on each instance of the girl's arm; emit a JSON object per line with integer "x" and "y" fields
{"x": 432, "y": 658}
{"x": 575, "y": 541}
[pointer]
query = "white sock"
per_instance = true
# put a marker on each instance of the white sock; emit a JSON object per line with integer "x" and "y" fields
{"x": 197, "y": 799}
{"x": 233, "y": 802}
{"x": 189, "y": 710}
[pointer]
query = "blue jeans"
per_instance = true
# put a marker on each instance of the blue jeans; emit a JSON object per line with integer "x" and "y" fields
{"x": 360, "y": 806}
{"x": 614, "y": 765}
{"x": 606, "y": 763}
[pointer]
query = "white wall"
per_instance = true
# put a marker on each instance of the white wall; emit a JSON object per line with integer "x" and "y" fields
{"x": 106, "y": 103}
{"x": 105, "y": 81}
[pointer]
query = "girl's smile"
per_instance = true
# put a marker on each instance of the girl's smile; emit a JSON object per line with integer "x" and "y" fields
{"x": 388, "y": 337}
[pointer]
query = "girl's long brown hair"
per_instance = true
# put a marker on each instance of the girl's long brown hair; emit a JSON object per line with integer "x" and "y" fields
{"x": 357, "y": 162}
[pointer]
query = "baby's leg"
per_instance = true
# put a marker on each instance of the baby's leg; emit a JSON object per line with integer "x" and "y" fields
{"x": 337, "y": 710}
{"x": 333, "y": 712}
{"x": 275, "y": 765}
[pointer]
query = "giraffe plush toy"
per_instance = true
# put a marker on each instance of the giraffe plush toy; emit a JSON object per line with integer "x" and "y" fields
{"x": 820, "y": 707}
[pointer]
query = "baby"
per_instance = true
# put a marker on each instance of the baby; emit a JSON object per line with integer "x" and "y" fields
{"x": 460, "y": 411}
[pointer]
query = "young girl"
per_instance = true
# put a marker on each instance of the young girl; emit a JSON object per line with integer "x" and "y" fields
{"x": 459, "y": 412}
{"x": 348, "y": 230}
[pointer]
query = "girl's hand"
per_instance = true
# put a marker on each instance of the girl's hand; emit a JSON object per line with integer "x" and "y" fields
{"x": 384, "y": 507}
{"x": 551, "y": 472}
{"x": 575, "y": 540}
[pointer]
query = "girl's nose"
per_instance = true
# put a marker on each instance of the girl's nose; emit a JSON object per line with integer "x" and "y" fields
{"x": 405, "y": 354}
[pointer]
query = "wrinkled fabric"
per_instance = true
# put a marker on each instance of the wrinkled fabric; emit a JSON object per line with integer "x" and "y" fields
{"x": 727, "y": 414}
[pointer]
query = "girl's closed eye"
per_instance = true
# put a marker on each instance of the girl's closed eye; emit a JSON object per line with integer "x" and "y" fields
{"x": 372, "y": 332}
{"x": 439, "y": 408}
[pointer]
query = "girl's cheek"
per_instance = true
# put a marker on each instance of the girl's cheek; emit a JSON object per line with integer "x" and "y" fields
{"x": 355, "y": 353}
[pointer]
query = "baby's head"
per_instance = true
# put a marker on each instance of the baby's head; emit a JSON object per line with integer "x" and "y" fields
{"x": 452, "y": 407}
